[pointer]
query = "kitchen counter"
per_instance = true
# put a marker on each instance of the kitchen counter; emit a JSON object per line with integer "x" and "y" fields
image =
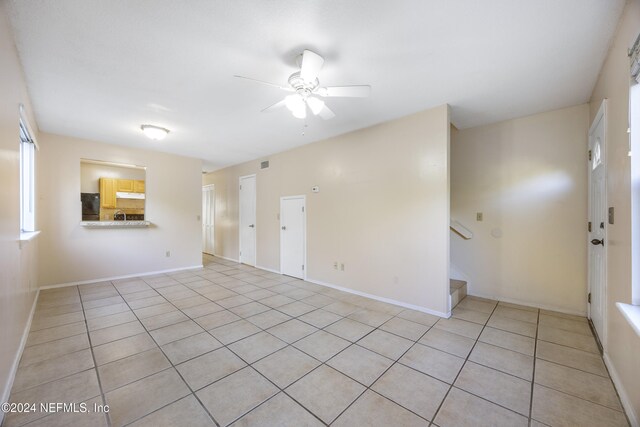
{"x": 115, "y": 224}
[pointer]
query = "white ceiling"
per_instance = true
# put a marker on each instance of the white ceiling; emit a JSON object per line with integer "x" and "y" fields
{"x": 98, "y": 69}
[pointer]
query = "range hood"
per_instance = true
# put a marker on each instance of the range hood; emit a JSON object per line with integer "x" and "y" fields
{"x": 124, "y": 195}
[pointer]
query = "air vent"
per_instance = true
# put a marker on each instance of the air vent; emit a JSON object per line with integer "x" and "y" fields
{"x": 264, "y": 165}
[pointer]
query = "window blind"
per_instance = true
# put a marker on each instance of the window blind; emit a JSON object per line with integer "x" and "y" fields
{"x": 634, "y": 54}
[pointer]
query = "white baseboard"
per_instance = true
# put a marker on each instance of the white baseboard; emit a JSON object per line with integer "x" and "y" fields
{"x": 624, "y": 397}
{"x": 16, "y": 361}
{"x": 362, "y": 294}
{"x": 526, "y": 303}
{"x": 227, "y": 258}
{"x": 382, "y": 299}
{"x": 268, "y": 269}
{"x": 126, "y": 276}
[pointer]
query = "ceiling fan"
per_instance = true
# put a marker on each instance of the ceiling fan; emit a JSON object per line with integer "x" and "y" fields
{"x": 307, "y": 90}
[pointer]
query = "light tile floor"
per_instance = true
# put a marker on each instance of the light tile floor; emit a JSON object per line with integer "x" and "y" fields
{"x": 231, "y": 344}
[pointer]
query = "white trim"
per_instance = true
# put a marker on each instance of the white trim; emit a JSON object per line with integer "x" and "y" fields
{"x": 206, "y": 188}
{"x": 126, "y": 276}
{"x": 304, "y": 233}
{"x": 382, "y": 299}
{"x": 255, "y": 254}
{"x": 632, "y": 314}
{"x": 268, "y": 269}
{"x": 526, "y": 303}
{"x": 634, "y": 141}
{"x": 622, "y": 393}
{"x": 601, "y": 115}
{"x": 26, "y": 236}
{"x": 227, "y": 258}
{"x": 16, "y": 361}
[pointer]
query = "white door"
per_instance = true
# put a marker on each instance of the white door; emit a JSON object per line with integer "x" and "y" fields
{"x": 208, "y": 212}
{"x": 598, "y": 224}
{"x": 248, "y": 220}
{"x": 292, "y": 236}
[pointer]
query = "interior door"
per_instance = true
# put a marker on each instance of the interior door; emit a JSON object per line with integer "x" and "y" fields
{"x": 292, "y": 236}
{"x": 208, "y": 212}
{"x": 598, "y": 223}
{"x": 247, "y": 221}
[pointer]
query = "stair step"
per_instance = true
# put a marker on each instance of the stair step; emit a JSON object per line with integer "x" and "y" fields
{"x": 457, "y": 291}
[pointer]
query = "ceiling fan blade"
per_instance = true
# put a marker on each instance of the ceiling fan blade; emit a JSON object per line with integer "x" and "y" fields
{"x": 288, "y": 89}
{"x": 275, "y": 106}
{"x": 326, "y": 113}
{"x": 361, "y": 91}
{"x": 311, "y": 65}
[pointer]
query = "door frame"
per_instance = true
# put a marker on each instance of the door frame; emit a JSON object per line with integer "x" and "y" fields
{"x": 213, "y": 213}
{"x": 255, "y": 248}
{"x": 601, "y": 115}
{"x": 304, "y": 233}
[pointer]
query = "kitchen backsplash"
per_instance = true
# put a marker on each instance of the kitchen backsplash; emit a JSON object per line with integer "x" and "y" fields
{"x": 128, "y": 206}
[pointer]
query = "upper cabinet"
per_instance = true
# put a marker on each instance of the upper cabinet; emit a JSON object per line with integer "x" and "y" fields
{"x": 108, "y": 193}
{"x": 130, "y": 185}
{"x": 125, "y": 185}
{"x": 138, "y": 186}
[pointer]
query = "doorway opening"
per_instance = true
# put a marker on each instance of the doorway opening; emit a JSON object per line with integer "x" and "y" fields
{"x": 247, "y": 220}
{"x": 293, "y": 236}
{"x": 208, "y": 219}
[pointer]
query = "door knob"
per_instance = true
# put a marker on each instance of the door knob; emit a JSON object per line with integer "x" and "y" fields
{"x": 251, "y": 225}
{"x": 284, "y": 227}
{"x": 597, "y": 242}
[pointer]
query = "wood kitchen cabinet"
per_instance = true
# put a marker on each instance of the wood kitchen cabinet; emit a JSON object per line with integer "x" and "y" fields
{"x": 125, "y": 185}
{"x": 108, "y": 193}
{"x": 138, "y": 186}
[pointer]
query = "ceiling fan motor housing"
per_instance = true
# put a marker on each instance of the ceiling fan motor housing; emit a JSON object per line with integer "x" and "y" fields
{"x": 302, "y": 87}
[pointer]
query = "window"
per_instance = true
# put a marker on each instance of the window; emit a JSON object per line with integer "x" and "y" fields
{"x": 27, "y": 178}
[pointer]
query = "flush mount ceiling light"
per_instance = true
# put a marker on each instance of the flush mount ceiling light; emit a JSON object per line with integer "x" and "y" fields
{"x": 156, "y": 133}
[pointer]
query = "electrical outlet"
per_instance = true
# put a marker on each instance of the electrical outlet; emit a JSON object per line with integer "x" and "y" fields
{"x": 342, "y": 266}
{"x": 168, "y": 254}
{"x": 478, "y": 216}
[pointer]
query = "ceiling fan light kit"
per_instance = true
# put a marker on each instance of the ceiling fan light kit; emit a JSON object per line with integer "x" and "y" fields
{"x": 306, "y": 88}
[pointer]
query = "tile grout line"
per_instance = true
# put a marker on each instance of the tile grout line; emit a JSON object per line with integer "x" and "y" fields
{"x": 321, "y": 362}
{"x": 264, "y": 330}
{"x": 315, "y": 308}
{"x": 533, "y": 374}
{"x": 170, "y": 362}
{"x": 435, "y": 415}
{"x": 207, "y": 331}
{"x": 396, "y": 361}
{"x": 93, "y": 356}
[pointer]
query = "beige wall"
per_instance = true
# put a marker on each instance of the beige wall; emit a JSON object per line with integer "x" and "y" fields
{"x": 17, "y": 266}
{"x": 71, "y": 253}
{"x": 622, "y": 344}
{"x": 90, "y": 174}
{"x": 382, "y": 209}
{"x": 528, "y": 177}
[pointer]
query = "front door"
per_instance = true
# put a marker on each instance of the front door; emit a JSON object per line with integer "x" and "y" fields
{"x": 247, "y": 221}
{"x": 292, "y": 236}
{"x": 598, "y": 224}
{"x": 208, "y": 210}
